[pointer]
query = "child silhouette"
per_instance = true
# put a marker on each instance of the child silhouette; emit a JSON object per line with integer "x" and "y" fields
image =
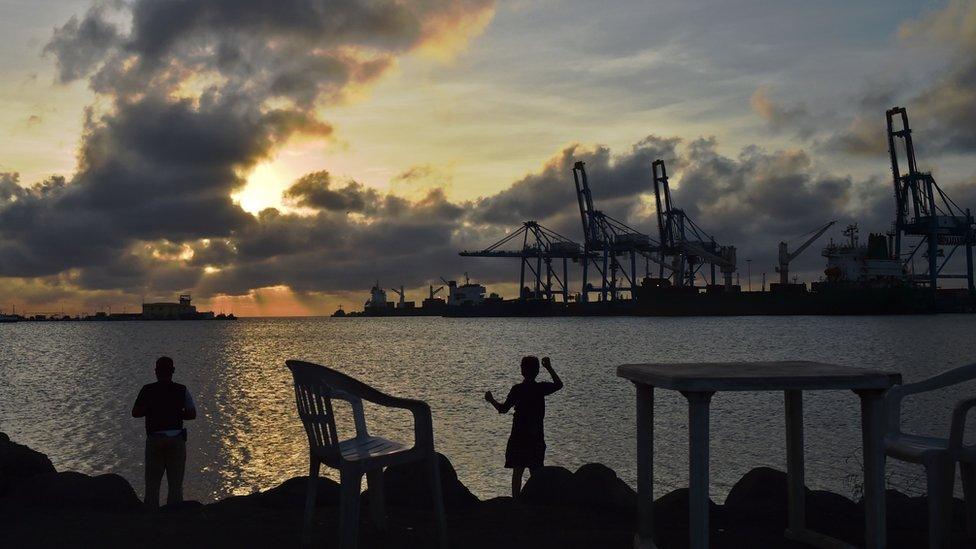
{"x": 527, "y": 445}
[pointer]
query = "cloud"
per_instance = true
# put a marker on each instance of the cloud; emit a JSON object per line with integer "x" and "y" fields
{"x": 191, "y": 96}
{"x": 781, "y": 117}
{"x": 943, "y": 106}
{"x": 616, "y": 182}
{"x": 313, "y": 191}
{"x": 79, "y": 46}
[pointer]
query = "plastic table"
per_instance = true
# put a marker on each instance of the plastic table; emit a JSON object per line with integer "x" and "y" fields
{"x": 699, "y": 381}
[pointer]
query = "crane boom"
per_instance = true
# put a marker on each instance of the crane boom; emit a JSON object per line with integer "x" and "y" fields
{"x": 785, "y": 257}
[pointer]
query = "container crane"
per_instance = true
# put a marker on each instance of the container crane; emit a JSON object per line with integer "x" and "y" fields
{"x": 785, "y": 257}
{"x": 923, "y": 210}
{"x": 605, "y": 239}
{"x": 539, "y": 247}
{"x": 689, "y": 246}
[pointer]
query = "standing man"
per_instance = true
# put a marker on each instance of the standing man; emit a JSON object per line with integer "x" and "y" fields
{"x": 165, "y": 405}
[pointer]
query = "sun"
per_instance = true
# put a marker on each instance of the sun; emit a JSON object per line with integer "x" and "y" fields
{"x": 262, "y": 190}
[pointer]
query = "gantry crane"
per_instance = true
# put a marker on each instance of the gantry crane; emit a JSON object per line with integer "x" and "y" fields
{"x": 686, "y": 243}
{"x": 399, "y": 293}
{"x": 924, "y": 210}
{"x": 540, "y": 246}
{"x": 785, "y": 257}
{"x": 605, "y": 240}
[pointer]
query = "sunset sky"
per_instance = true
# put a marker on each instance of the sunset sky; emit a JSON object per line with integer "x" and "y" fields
{"x": 276, "y": 158}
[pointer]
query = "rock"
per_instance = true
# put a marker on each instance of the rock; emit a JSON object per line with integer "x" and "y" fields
{"x": 4, "y": 437}
{"x": 291, "y": 494}
{"x": 183, "y": 506}
{"x": 550, "y": 486}
{"x": 18, "y": 462}
{"x": 597, "y": 486}
{"x": 408, "y": 485}
{"x": 73, "y": 490}
{"x": 671, "y": 511}
{"x": 759, "y": 496}
{"x": 835, "y": 515}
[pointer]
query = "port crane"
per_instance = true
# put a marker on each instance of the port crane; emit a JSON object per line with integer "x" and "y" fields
{"x": 925, "y": 211}
{"x": 785, "y": 257}
{"x": 605, "y": 240}
{"x": 689, "y": 246}
{"x": 540, "y": 246}
{"x": 400, "y": 293}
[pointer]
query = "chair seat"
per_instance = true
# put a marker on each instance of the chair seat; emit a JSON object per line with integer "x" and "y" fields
{"x": 919, "y": 449}
{"x": 368, "y": 448}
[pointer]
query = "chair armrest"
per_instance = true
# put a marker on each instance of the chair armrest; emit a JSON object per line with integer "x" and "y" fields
{"x": 423, "y": 425}
{"x": 957, "y": 429}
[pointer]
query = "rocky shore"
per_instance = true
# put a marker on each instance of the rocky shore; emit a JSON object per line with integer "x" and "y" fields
{"x": 589, "y": 507}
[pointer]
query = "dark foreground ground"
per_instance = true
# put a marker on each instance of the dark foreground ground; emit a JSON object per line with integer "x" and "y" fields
{"x": 588, "y": 508}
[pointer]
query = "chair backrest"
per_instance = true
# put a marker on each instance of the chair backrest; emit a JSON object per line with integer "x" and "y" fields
{"x": 315, "y": 388}
{"x": 895, "y": 395}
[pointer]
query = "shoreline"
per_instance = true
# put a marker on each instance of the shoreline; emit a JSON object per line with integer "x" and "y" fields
{"x": 589, "y": 507}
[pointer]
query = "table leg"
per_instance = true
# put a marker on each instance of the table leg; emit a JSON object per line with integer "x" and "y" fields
{"x": 872, "y": 433}
{"x": 645, "y": 467}
{"x": 794, "y": 462}
{"x": 698, "y": 403}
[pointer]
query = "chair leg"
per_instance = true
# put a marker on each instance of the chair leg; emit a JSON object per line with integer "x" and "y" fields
{"x": 438, "y": 499}
{"x": 968, "y": 473}
{"x": 310, "y": 492}
{"x": 939, "y": 496}
{"x": 350, "y": 481}
{"x": 377, "y": 500}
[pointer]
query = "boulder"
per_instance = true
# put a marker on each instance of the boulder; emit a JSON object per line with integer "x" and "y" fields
{"x": 408, "y": 485}
{"x": 671, "y": 511}
{"x": 291, "y": 494}
{"x": 182, "y": 507}
{"x": 835, "y": 515}
{"x": 550, "y": 486}
{"x": 19, "y": 462}
{"x": 73, "y": 490}
{"x": 759, "y": 496}
{"x": 597, "y": 486}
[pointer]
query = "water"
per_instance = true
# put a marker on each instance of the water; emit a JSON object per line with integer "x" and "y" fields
{"x": 66, "y": 389}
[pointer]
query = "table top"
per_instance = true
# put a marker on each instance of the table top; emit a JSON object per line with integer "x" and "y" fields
{"x": 756, "y": 376}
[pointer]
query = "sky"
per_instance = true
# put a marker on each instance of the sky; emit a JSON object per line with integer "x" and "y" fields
{"x": 278, "y": 158}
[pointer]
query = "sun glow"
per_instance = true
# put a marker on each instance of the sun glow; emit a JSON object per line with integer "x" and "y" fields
{"x": 263, "y": 189}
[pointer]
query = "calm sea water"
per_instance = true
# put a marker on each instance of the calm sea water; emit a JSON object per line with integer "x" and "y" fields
{"x": 66, "y": 389}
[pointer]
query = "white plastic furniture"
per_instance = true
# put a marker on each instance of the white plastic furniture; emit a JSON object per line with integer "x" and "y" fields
{"x": 699, "y": 381}
{"x": 938, "y": 455}
{"x": 315, "y": 388}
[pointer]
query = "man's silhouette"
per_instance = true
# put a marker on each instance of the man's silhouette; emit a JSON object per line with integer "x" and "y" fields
{"x": 527, "y": 445}
{"x": 165, "y": 405}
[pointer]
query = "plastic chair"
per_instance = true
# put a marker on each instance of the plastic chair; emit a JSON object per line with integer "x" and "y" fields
{"x": 938, "y": 455}
{"x": 315, "y": 388}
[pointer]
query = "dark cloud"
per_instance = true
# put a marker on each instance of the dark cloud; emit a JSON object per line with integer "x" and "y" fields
{"x": 761, "y": 197}
{"x": 400, "y": 241}
{"x": 192, "y": 94}
{"x": 80, "y": 45}
{"x": 313, "y": 191}
{"x": 616, "y": 182}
